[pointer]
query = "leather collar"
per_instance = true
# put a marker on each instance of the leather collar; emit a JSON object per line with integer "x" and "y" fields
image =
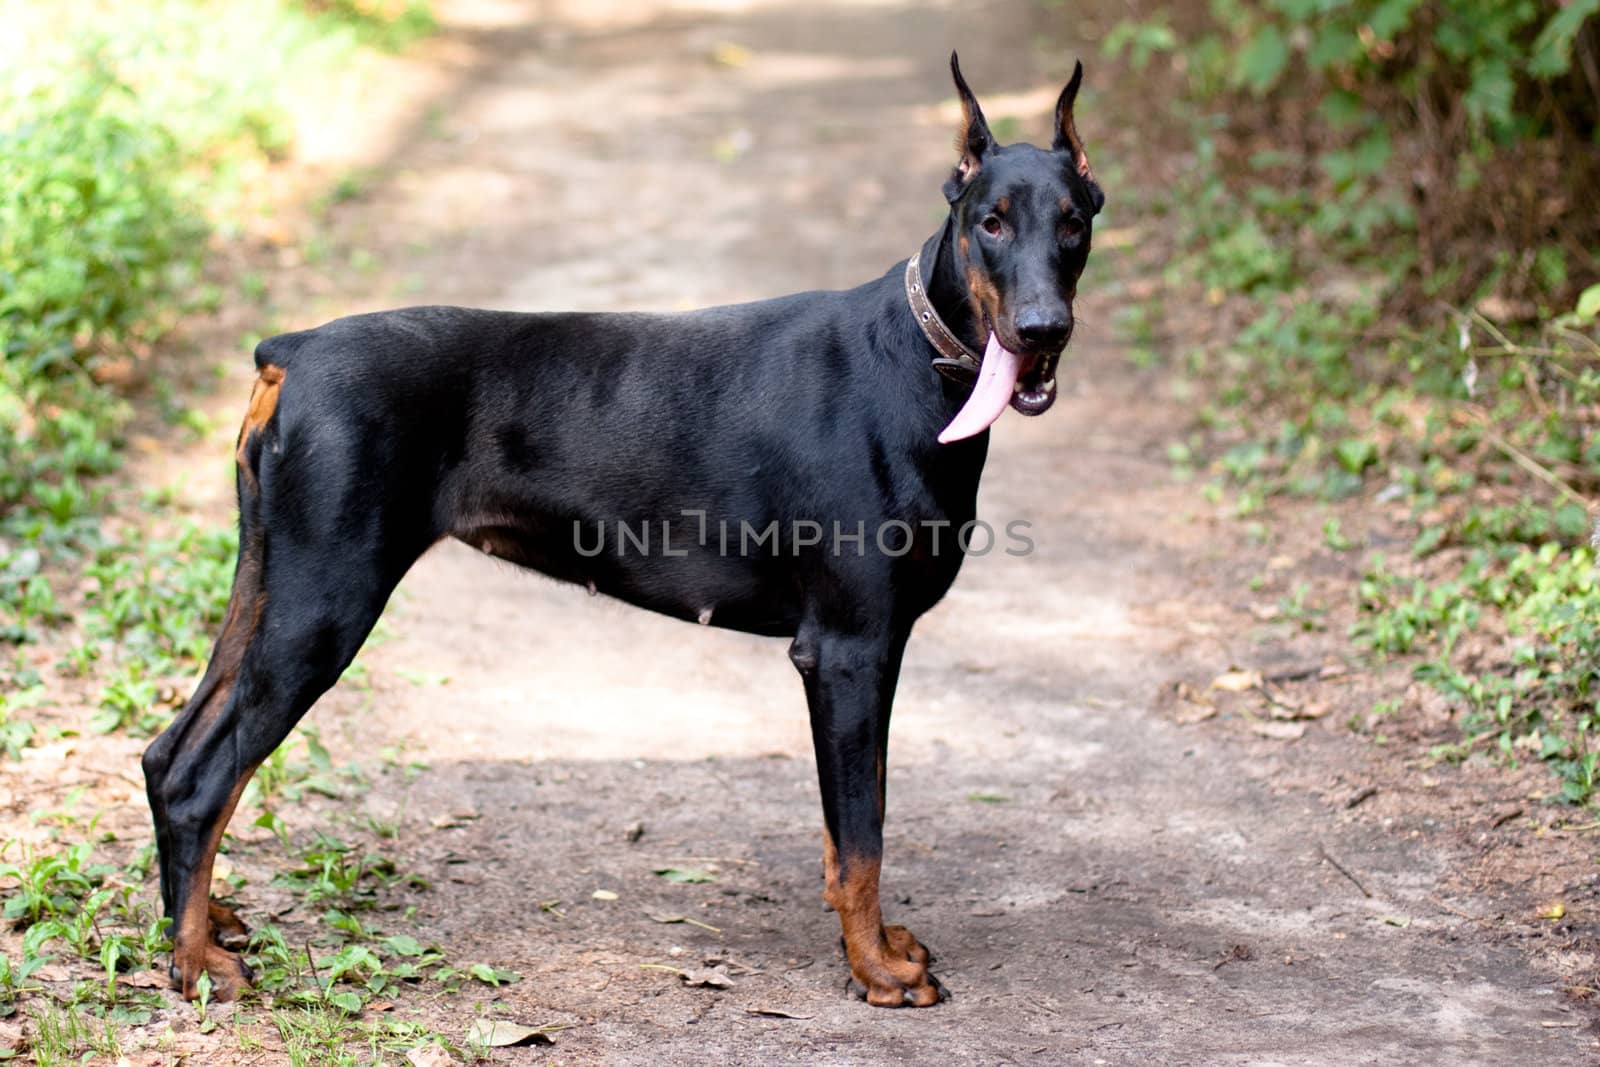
{"x": 955, "y": 360}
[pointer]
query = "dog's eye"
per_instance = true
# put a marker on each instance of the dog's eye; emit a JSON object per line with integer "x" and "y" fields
{"x": 993, "y": 226}
{"x": 1072, "y": 228}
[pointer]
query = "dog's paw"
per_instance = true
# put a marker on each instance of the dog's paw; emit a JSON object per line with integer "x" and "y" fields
{"x": 230, "y": 975}
{"x": 905, "y": 947}
{"x": 897, "y": 974}
{"x": 227, "y": 929}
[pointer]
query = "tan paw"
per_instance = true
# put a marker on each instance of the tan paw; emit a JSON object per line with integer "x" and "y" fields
{"x": 896, "y": 974}
{"x": 230, "y": 975}
{"x": 227, "y": 929}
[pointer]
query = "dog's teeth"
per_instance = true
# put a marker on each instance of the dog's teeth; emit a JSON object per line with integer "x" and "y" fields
{"x": 1049, "y": 386}
{"x": 1017, "y": 388}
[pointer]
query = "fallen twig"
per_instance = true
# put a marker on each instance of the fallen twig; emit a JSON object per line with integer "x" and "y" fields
{"x": 1344, "y": 871}
{"x": 776, "y": 1013}
{"x": 1361, "y": 797}
{"x": 682, "y": 919}
{"x": 713, "y": 859}
{"x": 1236, "y": 954}
{"x": 1505, "y": 817}
{"x": 1522, "y": 459}
{"x": 1442, "y": 906}
{"x": 1293, "y": 674}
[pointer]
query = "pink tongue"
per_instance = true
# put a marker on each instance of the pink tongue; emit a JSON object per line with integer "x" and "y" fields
{"x": 997, "y": 380}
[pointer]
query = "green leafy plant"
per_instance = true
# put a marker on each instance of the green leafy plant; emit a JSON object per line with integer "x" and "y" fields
{"x": 1396, "y": 330}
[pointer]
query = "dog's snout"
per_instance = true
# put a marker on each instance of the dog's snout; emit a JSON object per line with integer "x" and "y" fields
{"x": 1044, "y": 330}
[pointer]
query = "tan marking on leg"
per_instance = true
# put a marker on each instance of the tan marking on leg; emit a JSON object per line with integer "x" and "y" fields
{"x": 192, "y": 947}
{"x": 887, "y": 961}
{"x": 202, "y": 925}
{"x": 263, "y": 404}
{"x": 193, "y": 940}
{"x": 239, "y": 626}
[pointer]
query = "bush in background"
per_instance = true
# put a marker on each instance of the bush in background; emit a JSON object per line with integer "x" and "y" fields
{"x": 122, "y": 128}
{"x": 1395, "y": 207}
{"x": 1472, "y": 123}
{"x": 127, "y": 134}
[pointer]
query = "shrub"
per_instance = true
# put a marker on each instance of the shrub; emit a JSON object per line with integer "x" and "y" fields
{"x": 93, "y": 236}
{"x": 1473, "y": 122}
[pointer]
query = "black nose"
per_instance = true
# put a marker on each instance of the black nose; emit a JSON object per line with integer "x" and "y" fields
{"x": 1044, "y": 330}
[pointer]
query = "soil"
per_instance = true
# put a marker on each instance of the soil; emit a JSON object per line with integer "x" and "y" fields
{"x": 1113, "y": 861}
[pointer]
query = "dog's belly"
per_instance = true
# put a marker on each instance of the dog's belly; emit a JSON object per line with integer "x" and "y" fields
{"x": 657, "y": 566}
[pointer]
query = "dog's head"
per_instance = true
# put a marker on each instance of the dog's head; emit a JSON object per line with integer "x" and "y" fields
{"x": 1022, "y": 218}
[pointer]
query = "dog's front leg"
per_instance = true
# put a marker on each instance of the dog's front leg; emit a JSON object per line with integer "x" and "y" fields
{"x": 850, "y": 681}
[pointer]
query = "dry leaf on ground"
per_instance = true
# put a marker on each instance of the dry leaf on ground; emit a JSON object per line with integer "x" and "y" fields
{"x": 713, "y": 977}
{"x": 1192, "y": 706}
{"x": 144, "y": 980}
{"x": 430, "y": 1056}
{"x": 498, "y": 1033}
{"x": 1234, "y": 680}
{"x": 1279, "y": 731}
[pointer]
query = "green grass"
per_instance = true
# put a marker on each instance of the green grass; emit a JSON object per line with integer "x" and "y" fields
{"x": 74, "y": 908}
{"x": 1541, "y": 698}
{"x": 125, "y": 132}
{"x": 1482, "y": 431}
{"x": 129, "y": 135}
{"x": 125, "y": 135}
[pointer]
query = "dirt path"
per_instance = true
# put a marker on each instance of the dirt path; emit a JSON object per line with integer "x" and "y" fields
{"x": 1100, "y": 884}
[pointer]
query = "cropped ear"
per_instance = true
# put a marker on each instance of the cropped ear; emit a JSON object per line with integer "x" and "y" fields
{"x": 1067, "y": 139}
{"x": 973, "y": 140}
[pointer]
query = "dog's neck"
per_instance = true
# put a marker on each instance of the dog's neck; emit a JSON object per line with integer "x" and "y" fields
{"x": 947, "y": 288}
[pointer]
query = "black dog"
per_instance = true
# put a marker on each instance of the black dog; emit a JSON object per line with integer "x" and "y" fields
{"x": 818, "y": 454}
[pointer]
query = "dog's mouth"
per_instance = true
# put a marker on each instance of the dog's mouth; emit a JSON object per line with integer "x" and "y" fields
{"x": 1035, "y": 388}
{"x": 1025, "y": 382}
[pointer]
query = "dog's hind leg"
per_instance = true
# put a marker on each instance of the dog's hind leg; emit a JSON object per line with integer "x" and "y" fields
{"x": 312, "y": 578}
{"x": 850, "y": 681}
{"x": 294, "y": 625}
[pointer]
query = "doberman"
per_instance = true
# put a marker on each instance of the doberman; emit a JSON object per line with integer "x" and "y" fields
{"x": 819, "y": 452}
